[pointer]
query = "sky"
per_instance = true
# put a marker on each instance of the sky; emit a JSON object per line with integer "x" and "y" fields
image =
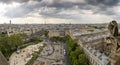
{"x": 59, "y": 11}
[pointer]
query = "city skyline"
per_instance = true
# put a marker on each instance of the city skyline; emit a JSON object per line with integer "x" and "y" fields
{"x": 62, "y": 11}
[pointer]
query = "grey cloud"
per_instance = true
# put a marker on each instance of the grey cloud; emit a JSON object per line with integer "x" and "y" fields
{"x": 26, "y": 8}
{"x": 97, "y": 6}
{"x": 103, "y": 2}
{"x": 55, "y": 14}
{"x": 23, "y": 10}
{"x": 20, "y": 1}
{"x": 49, "y": 15}
{"x": 65, "y": 5}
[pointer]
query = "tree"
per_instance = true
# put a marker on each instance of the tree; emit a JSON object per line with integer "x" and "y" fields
{"x": 78, "y": 51}
{"x": 75, "y": 53}
{"x": 46, "y": 33}
{"x": 9, "y": 44}
{"x": 75, "y": 62}
{"x": 82, "y": 59}
{"x": 15, "y": 40}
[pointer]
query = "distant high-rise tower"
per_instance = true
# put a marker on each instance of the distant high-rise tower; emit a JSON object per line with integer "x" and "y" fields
{"x": 10, "y": 22}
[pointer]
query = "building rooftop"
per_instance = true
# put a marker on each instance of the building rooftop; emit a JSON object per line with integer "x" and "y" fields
{"x": 100, "y": 58}
{"x": 3, "y": 60}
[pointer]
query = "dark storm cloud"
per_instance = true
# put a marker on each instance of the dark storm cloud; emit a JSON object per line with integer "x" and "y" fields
{"x": 103, "y": 2}
{"x": 65, "y": 5}
{"x": 103, "y": 6}
{"x": 97, "y": 6}
{"x": 83, "y": 5}
{"x": 26, "y": 8}
{"x": 55, "y": 14}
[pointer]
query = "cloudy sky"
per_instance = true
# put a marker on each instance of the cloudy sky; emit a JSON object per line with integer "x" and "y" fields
{"x": 59, "y": 11}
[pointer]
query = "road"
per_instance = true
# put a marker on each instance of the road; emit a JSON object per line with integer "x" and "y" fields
{"x": 66, "y": 58}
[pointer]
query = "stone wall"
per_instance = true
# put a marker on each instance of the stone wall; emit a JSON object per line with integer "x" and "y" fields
{"x": 3, "y": 60}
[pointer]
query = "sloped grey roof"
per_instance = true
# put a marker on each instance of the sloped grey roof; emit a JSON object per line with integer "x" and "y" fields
{"x": 3, "y": 60}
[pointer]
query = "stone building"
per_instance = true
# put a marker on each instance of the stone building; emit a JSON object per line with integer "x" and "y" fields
{"x": 3, "y": 60}
{"x": 95, "y": 57}
{"x": 55, "y": 33}
{"x": 113, "y": 43}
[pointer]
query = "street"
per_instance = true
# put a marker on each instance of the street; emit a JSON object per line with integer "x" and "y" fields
{"x": 66, "y": 58}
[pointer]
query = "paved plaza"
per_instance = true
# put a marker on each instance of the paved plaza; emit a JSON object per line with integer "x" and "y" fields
{"x": 25, "y": 55}
{"x": 52, "y": 54}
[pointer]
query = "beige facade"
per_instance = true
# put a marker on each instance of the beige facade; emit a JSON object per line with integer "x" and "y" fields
{"x": 55, "y": 33}
{"x": 95, "y": 57}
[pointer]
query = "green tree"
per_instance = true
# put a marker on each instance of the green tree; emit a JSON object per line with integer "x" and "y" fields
{"x": 82, "y": 59}
{"x": 15, "y": 41}
{"x": 9, "y": 44}
{"x": 75, "y": 62}
{"x": 46, "y": 33}
{"x": 75, "y": 53}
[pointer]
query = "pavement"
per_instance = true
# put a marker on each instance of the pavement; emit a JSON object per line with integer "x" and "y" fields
{"x": 52, "y": 54}
{"x": 25, "y": 55}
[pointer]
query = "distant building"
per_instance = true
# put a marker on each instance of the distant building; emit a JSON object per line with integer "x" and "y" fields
{"x": 55, "y": 33}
